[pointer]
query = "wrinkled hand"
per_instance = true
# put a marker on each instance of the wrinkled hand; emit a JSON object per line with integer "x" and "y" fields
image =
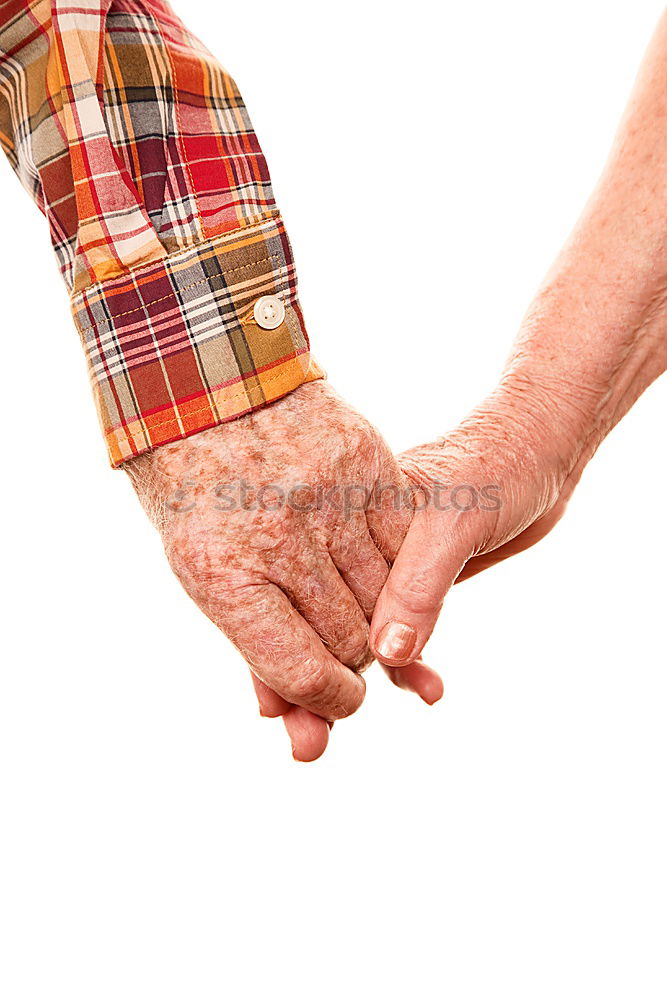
{"x": 274, "y": 526}
{"x": 493, "y": 487}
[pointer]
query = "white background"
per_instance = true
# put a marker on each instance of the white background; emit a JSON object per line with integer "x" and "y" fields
{"x": 156, "y": 839}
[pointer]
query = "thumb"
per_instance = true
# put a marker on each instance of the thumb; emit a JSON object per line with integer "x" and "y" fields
{"x": 433, "y": 554}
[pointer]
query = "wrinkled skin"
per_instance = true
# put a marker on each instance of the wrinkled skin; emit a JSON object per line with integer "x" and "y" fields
{"x": 514, "y": 479}
{"x": 288, "y": 566}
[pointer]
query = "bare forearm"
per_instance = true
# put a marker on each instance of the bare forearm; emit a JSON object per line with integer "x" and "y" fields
{"x": 596, "y": 334}
{"x": 594, "y": 338}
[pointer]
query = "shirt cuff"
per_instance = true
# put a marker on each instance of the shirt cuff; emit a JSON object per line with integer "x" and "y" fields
{"x": 174, "y": 347}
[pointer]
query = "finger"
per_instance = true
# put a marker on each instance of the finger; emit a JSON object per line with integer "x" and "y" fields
{"x": 284, "y": 651}
{"x": 359, "y": 562}
{"x": 365, "y": 571}
{"x": 318, "y": 592}
{"x": 389, "y": 514}
{"x": 428, "y": 563}
{"x": 271, "y": 705}
{"x": 419, "y": 678}
{"x": 308, "y": 733}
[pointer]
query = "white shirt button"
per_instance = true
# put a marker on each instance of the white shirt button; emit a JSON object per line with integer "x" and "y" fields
{"x": 269, "y": 312}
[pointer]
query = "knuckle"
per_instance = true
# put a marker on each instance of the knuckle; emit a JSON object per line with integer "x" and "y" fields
{"x": 313, "y": 681}
{"x": 340, "y": 710}
{"x": 188, "y": 549}
{"x": 188, "y": 563}
{"x": 203, "y": 569}
{"x": 416, "y": 595}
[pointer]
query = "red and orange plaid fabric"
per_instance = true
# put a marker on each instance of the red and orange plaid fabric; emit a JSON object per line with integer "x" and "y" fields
{"x": 138, "y": 148}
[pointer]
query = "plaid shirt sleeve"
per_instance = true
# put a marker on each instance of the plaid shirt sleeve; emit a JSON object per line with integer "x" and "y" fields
{"x": 137, "y": 146}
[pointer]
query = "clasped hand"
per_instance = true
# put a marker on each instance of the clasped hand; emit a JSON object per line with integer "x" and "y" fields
{"x": 283, "y": 526}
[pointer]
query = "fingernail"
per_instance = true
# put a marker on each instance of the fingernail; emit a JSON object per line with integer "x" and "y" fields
{"x": 396, "y": 641}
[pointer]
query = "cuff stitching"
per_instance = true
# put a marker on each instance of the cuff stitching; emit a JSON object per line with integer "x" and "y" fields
{"x": 195, "y": 248}
{"x": 163, "y": 298}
